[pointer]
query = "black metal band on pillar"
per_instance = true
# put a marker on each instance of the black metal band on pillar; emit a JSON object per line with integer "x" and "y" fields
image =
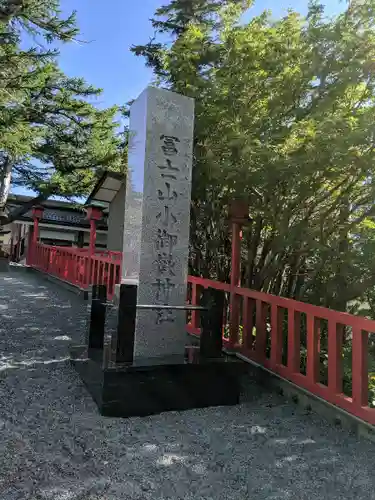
{"x": 211, "y": 340}
{"x": 126, "y": 323}
{"x": 97, "y": 317}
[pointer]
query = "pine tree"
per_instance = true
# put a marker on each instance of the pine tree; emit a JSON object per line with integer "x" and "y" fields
{"x": 51, "y": 138}
{"x": 176, "y": 17}
{"x": 179, "y": 14}
{"x": 284, "y": 114}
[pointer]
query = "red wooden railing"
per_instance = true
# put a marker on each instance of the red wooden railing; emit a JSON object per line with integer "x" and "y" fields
{"x": 270, "y": 330}
{"x": 77, "y": 266}
{"x": 283, "y": 335}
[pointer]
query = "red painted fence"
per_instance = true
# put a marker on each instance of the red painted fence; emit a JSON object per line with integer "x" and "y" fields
{"x": 277, "y": 333}
{"x": 283, "y": 335}
{"x": 77, "y": 266}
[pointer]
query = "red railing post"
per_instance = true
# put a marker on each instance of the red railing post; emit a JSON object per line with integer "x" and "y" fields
{"x": 276, "y": 335}
{"x": 87, "y": 270}
{"x": 92, "y": 237}
{"x": 235, "y": 274}
{"x": 37, "y": 214}
{"x": 335, "y": 339}
{"x": 196, "y": 291}
{"x": 313, "y": 340}
{"x": 294, "y": 341}
{"x": 94, "y": 214}
{"x": 247, "y": 323}
{"x": 239, "y": 215}
{"x": 261, "y": 332}
{"x": 35, "y": 231}
{"x": 359, "y": 367}
{"x": 234, "y": 304}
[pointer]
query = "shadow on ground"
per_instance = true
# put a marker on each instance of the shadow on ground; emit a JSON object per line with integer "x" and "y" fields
{"x": 54, "y": 445}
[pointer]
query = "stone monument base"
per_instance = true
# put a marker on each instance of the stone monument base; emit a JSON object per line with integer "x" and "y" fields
{"x": 146, "y": 388}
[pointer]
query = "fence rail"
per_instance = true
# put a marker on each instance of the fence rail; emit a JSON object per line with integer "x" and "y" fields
{"x": 78, "y": 267}
{"x": 321, "y": 350}
{"x": 287, "y": 336}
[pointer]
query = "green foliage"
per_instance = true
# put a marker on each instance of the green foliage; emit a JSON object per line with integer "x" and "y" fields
{"x": 38, "y": 18}
{"x": 53, "y": 138}
{"x": 284, "y": 119}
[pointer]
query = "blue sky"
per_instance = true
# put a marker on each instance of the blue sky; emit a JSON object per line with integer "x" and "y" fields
{"x": 111, "y": 27}
{"x": 108, "y": 30}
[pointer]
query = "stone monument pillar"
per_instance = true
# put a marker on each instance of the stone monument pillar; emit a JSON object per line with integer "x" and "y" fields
{"x": 135, "y": 363}
{"x": 157, "y": 218}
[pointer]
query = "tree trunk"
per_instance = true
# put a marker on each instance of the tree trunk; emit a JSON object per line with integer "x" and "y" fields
{"x": 294, "y": 270}
{"x": 300, "y": 282}
{"x": 6, "y": 176}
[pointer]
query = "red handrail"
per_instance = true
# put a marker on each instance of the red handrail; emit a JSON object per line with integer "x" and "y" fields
{"x": 273, "y": 331}
{"x": 262, "y": 317}
{"x": 78, "y": 267}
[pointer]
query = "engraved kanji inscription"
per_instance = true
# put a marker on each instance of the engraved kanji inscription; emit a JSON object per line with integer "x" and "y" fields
{"x": 166, "y": 217}
{"x": 169, "y": 144}
{"x": 165, "y": 241}
{"x": 169, "y": 171}
{"x": 164, "y": 287}
{"x": 165, "y": 263}
{"x": 168, "y": 194}
{"x": 163, "y": 316}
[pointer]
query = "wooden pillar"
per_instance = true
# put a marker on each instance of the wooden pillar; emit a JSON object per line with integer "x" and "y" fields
{"x": 94, "y": 214}
{"x": 239, "y": 215}
{"x": 235, "y": 274}
{"x": 36, "y": 231}
{"x": 92, "y": 237}
{"x": 37, "y": 214}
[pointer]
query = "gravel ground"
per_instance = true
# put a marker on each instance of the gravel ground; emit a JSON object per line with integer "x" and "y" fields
{"x": 54, "y": 445}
